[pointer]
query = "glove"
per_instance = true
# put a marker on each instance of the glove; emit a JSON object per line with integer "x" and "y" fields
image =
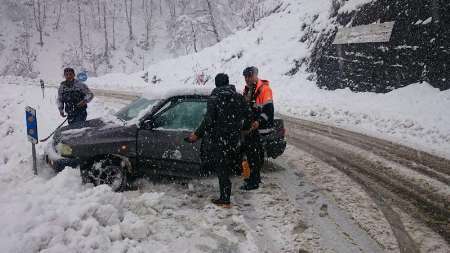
{"x": 191, "y": 138}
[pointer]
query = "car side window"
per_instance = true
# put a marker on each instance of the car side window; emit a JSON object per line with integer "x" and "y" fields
{"x": 184, "y": 115}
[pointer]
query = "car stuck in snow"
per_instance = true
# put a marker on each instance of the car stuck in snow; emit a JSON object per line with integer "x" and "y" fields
{"x": 144, "y": 138}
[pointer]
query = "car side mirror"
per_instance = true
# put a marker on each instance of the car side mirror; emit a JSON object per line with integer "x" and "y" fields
{"x": 147, "y": 124}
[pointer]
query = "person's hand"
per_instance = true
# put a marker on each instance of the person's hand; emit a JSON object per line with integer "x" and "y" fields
{"x": 192, "y": 138}
{"x": 82, "y": 103}
{"x": 62, "y": 114}
{"x": 255, "y": 125}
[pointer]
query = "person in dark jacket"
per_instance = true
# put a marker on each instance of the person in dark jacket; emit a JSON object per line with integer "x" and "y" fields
{"x": 226, "y": 112}
{"x": 73, "y": 97}
{"x": 258, "y": 94}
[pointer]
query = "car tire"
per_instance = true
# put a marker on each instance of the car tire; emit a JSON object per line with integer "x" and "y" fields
{"x": 107, "y": 170}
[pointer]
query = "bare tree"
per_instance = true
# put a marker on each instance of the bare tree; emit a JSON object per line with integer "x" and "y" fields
{"x": 148, "y": 11}
{"x": 212, "y": 21}
{"x": 189, "y": 31}
{"x": 114, "y": 17}
{"x": 106, "y": 33}
{"x": 252, "y": 12}
{"x": 40, "y": 18}
{"x": 58, "y": 15}
{"x": 23, "y": 57}
{"x": 80, "y": 30}
{"x": 99, "y": 14}
{"x": 129, "y": 15}
{"x": 94, "y": 58}
{"x": 172, "y": 5}
{"x": 194, "y": 37}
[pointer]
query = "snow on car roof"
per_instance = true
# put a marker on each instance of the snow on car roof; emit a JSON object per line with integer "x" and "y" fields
{"x": 171, "y": 92}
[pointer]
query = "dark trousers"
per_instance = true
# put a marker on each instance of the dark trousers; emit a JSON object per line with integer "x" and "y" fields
{"x": 224, "y": 161}
{"x": 223, "y": 173}
{"x": 252, "y": 147}
{"x": 76, "y": 116}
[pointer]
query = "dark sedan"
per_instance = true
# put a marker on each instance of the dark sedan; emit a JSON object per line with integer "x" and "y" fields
{"x": 144, "y": 138}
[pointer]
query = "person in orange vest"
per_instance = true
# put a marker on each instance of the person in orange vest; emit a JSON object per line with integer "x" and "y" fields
{"x": 258, "y": 95}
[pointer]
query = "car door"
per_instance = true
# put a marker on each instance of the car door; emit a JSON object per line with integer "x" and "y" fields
{"x": 161, "y": 147}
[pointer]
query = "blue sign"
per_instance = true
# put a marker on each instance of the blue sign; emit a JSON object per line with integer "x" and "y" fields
{"x": 30, "y": 118}
{"x": 82, "y": 76}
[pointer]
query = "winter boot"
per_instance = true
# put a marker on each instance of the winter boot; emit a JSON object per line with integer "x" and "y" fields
{"x": 249, "y": 187}
{"x": 221, "y": 203}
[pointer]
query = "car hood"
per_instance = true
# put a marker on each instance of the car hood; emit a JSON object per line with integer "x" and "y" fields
{"x": 95, "y": 131}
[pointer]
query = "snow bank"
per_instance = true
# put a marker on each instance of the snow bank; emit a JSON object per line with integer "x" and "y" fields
{"x": 352, "y": 5}
{"x": 60, "y": 215}
{"x": 116, "y": 81}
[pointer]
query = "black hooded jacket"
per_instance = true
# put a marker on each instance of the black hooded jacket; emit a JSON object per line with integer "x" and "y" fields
{"x": 227, "y": 114}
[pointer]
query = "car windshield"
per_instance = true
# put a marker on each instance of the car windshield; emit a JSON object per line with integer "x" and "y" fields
{"x": 136, "y": 109}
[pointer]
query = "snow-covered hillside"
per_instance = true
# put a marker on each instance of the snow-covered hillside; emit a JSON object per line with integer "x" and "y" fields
{"x": 95, "y": 35}
{"x": 414, "y": 115}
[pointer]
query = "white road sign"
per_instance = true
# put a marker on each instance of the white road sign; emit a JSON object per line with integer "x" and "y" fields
{"x": 374, "y": 33}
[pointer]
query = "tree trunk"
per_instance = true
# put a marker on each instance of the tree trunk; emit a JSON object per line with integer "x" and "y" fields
{"x": 148, "y": 21}
{"x": 39, "y": 15}
{"x": 106, "y": 34}
{"x": 58, "y": 17}
{"x": 79, "y": 26}
{"x": 114, "y": 25}
{"x": 172, "y": 8}
{"x": 129, "y": 15}
{"x": 99, "y": 14}
{"x": 194, "y": 37}
{"x": 213, "y": 22}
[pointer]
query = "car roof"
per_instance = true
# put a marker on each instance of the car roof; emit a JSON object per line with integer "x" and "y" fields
{"x": 188, "y": 91}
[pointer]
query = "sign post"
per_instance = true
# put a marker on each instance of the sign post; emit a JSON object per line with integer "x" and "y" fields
{"x": 42, "y": 87}
{"x": 32, "y": 132}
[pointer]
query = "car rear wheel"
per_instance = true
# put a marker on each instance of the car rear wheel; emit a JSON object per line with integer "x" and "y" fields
{"x": 110, "y": 171}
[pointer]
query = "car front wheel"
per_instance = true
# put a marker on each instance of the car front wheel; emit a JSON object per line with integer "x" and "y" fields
{"x": 108, "y": 170}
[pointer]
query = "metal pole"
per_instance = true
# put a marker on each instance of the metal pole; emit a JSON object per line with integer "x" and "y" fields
{"x": 33, "y": 148}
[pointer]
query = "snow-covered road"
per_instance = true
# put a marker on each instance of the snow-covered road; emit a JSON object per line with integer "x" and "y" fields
{"x": 409, "y": 188}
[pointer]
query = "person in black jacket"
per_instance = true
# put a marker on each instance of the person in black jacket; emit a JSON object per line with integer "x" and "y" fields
{"x": 226, "y": 112}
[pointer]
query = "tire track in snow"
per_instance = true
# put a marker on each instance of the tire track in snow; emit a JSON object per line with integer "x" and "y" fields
{"x": 383, "y": 190}
{"x": 426, "y": 205}
{"x": 337, "y": 230}
{"x": 425, "y": 163}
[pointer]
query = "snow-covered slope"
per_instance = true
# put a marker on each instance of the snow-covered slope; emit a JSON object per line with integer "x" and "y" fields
{"x": 414, "y": 115}
{"x": 171, "y": 32}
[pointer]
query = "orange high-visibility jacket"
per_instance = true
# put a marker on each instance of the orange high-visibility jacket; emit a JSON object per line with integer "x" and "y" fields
{"x": 262, "y": 104}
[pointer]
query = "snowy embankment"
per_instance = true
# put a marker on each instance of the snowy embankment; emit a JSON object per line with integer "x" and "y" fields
{"x": 414, "y": 115}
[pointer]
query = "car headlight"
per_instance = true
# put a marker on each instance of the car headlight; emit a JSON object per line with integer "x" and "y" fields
{"x": 64, "y": 149}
